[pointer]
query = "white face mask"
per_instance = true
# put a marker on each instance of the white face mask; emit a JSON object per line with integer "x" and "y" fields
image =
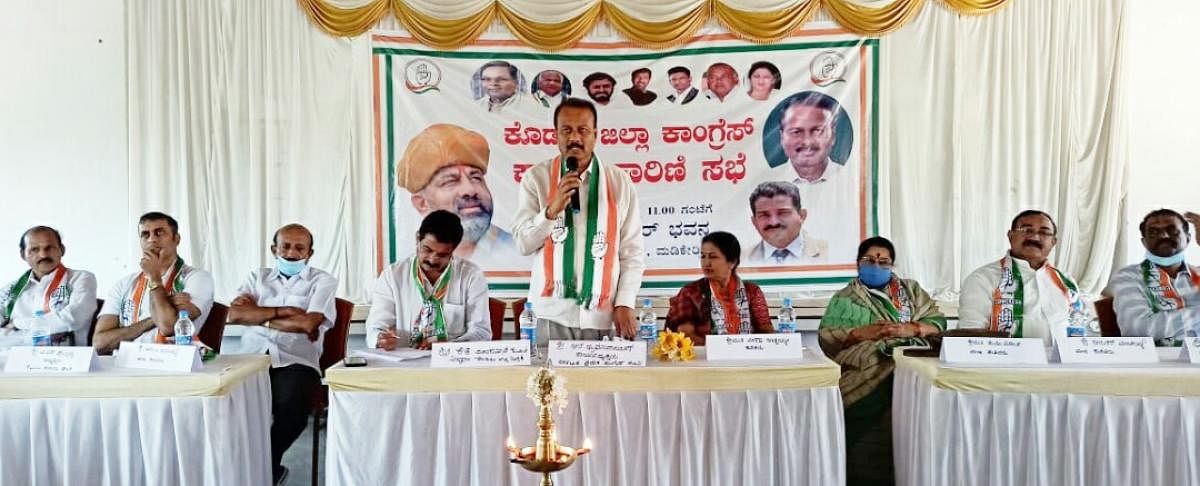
{"x": 1170, "y": 261}
{"x": 288, "y": 267}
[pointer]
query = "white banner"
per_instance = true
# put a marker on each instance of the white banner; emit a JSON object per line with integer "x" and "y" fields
{"x": 700, "y": 129}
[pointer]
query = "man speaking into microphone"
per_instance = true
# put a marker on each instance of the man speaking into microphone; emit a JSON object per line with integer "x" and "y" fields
{"x": 581, "y": 219}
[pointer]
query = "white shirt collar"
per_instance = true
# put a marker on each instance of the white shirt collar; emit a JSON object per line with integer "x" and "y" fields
{"x": 275, "y": 274}
{"x": 796, "y": 247}
{"x": 831, "y": 169}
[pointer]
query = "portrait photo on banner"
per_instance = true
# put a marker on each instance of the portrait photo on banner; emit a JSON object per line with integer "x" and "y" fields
{"x": 775, "y": 144}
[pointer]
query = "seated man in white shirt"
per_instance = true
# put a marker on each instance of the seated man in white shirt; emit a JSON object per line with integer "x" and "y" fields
{"x": 144, "y": 305}
{"x": 66, "y": 296}
{"x": 1022, "y": 294}
{"x": 778, "y": 216}
{"x": 286, "y": 310}
{"x": 1160, "y": 296}
{"x": 430, "y": 296}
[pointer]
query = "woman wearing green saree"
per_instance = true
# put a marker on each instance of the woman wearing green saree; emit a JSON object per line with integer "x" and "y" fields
{"x": 876, "y": 313}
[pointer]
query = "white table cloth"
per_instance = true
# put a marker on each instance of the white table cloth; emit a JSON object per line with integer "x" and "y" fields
{"x": 138, "y": 427}
{"x": 1057, "y": 425}
{"x": 695, "y": 423}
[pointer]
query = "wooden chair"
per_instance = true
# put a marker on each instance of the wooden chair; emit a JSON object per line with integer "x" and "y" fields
{"x": 1107, "y": 317}
{"x": 95, "y": 318}
{"x": 213, "y": 330}
{"x": 496, "y": 308}
{"x": 334, "y": 350}
{"x": 518, "y": 306}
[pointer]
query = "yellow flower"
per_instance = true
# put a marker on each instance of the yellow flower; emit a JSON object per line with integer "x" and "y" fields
{"x": 673, "y": 346}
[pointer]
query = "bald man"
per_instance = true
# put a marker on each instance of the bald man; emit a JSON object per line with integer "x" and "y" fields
{"x": 445, "y": 167}
{"x": 286, "y": 310}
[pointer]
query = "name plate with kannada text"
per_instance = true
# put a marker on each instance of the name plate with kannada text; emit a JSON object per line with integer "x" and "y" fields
{"x": 51, "y": 359}
{"x": 598, "y": 354}
{"x": 994, "y": 351}
{"x": 1106, "y": 350}
{"x": 162, "y": 357}
{"x": 480, "y": 354}
{"x": 741, "y": 347}
{"x": 1191, "y": 350}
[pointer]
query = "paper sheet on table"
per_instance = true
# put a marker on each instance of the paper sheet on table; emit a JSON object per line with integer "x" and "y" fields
{"x": 395, "y": 356}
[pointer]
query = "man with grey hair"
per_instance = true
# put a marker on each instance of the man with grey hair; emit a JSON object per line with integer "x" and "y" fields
{"x": 778, "y": 217}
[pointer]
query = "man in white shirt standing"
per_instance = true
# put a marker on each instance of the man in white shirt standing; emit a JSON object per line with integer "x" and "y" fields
{"x": 286, "y": 310}
{"x": 432, "y": 295}
{"x": 778, "y": 217}
{"x": 584, "y": 226}
{"x": 66, "y": 296}
{"x": 1022, "y": 294}
{"x": 1160, "y": 296}
{"x": 144, "y": 305}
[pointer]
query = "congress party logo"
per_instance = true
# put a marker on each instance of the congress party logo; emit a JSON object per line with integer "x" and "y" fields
{"x": 827, "y": 68}
{"x": 421, "y": 75}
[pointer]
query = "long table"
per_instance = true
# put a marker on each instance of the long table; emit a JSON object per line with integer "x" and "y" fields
{"x": 122, "y": 426}
{"x": 695, "y": 423}
{"x": 1047, "y": 425}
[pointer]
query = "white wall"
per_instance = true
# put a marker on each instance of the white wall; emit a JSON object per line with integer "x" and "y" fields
{"x": 1165, "y": 113}
{"x": 63, "y": 145}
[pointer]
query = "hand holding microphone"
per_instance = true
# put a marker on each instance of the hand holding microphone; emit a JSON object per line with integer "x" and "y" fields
{"x": 568, "y": 191}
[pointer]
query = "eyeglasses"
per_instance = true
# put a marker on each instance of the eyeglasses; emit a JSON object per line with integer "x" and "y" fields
{"x": 882, "y": 262}
{"x": 1030, "y": 231}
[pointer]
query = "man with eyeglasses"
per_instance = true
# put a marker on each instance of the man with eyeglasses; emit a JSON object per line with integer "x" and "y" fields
{"x": 1160, "y": 296}
{"x": 1022, "y": 294}
{"x": 580, "y": 217}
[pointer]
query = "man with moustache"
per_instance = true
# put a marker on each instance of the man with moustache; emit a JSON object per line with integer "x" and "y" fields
{"x": 721, "y": 80}
{"x": 432, "y": 296}
{"x": 285, "y": 310}
{"x": 444, "y": 167}
{"x": 66, "y": 296}
{"x": 779, "y": 219}
{"x": 144, "y": 306}
{"x": 681, "y": 80}
{"x": 807, "y": 135}
{"x": 550, "y": 88}
{"x": 1022, "y": 294}
{"x": 600, "y": 87}
{"x": 499, "y": 80}
{"x": 1160, "y": 296}
{"x": 638, "y": 94}
{"x": 581, "y": 218}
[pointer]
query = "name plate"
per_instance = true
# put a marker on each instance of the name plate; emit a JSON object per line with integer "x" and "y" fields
{"x": 741, "y": 347}
{"x": 1112, "y": 350}
{"x": 598, "y": 354}
{"x": 996, "y": 351}
{"x": 51, "y": 359}
{"x": 480, "y": 354}
{"x": 1191, "y": 350}
{"x": 162, "y": 357}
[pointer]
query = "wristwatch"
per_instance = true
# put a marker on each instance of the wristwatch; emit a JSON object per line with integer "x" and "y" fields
{"x": 154, "y": 285}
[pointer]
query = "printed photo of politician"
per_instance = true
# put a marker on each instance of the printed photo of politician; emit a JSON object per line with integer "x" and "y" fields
{"x": 498, "y": 86}
{"x": 550, "y": 87}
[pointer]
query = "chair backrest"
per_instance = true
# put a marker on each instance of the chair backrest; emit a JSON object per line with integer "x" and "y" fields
{"x": 518, "y": 306}
{"x": 334, "y": 348}
{"x": 1107, "y": 317}
{"x": 496, "y": 308}
{"x": 213, "y": 330}
{"x": 95, "y": 318}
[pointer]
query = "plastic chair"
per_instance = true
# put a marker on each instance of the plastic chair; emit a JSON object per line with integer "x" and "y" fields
{"x": 496, "y": 308}
{"x": 213, "y": 330}
{"x": 334, "y": 350}
{"x": 95, "y": 318}
{"x": 1107, "y": 317}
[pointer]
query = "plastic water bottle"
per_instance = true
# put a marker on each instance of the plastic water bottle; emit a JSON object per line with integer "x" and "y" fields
{"x": 528, "y": 323}
{"x": 40, "y": 334}
{"x": 648, "y": 328}
{"x": 1077, "y": 324}
{"x": 184, "y": 329}
{"x": 787, "y": 320}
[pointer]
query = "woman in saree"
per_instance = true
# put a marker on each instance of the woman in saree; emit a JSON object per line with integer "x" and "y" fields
{"x": 863, "y": 323}
{"x": 721, "y": 302}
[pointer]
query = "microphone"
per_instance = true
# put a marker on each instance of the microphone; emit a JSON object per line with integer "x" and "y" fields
{"x": 573, "y": 166}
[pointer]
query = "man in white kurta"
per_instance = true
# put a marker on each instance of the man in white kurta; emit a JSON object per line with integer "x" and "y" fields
{"x": 286, "y": 310}
{"x": 1159, "y": 297}
{"x": 66, "y": 296}
{"x": 1022, "y": 293}
{"x": 431, "y": 296}
{"x": 597, "y": 290}
{"x": 144, "y": 306}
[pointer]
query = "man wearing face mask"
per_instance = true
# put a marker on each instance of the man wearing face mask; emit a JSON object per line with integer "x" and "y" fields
{"x": 1022, "y": 294}
{"x": 1160, "y": 296}
{"x": 286, "y": 310}
{"x": 432, "y": 296}
{"x": 67, "y": 296}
